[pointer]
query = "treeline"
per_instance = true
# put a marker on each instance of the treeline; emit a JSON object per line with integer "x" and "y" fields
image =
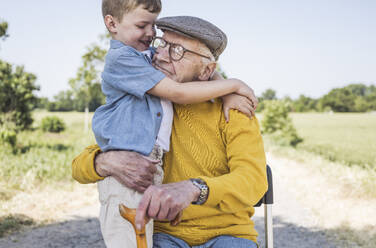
{"x": 351, "y": 98}
{"x": 67, "y": 100}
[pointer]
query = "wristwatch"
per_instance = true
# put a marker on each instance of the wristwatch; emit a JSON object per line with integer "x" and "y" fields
{"x": 204, "y": 190}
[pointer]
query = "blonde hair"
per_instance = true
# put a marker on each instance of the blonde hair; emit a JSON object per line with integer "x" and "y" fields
{"x": 117, "y": 8}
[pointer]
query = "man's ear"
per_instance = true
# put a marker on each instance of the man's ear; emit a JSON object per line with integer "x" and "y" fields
{"x": 207, "y": 71}
{"x": 111, "y": 24}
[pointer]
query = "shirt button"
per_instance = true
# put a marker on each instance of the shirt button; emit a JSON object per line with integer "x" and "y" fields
{"x": 159, "y": 114}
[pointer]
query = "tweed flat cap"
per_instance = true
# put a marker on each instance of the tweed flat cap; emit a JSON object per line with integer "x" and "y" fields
{"x": 196, "y": 28}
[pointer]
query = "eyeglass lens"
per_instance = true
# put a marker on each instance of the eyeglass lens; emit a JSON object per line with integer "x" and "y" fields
{"x": 176, "y": 51}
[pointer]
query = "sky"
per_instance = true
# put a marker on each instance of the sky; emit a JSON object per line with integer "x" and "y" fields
{"x": 292, "y": 46}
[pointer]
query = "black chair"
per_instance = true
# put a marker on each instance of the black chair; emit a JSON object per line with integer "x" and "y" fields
{"x": 267, "y": 200}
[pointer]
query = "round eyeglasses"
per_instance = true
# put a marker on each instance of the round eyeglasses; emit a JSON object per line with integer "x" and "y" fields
{"x": 176, "y": 51}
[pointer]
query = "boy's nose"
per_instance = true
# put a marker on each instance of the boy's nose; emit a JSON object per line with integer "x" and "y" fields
{"x": 151, "y": 32}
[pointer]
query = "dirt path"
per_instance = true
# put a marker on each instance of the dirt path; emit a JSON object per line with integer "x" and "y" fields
{"x": 309, "y": 211}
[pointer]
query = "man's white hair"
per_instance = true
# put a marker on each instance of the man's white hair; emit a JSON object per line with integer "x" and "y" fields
{"x": 204, "y": 50}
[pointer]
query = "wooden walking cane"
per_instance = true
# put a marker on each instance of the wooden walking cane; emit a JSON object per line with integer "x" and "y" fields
{"x": 130, "y": 215}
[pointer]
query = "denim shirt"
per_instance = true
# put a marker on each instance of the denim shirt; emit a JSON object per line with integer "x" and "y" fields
{"x": 131, "y": 118}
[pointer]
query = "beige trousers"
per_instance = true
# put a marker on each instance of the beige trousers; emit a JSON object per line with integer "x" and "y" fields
{"x": 118, "y": 232}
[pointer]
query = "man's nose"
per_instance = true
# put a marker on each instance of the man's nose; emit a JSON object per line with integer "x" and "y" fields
{"x": 163, "y": 53}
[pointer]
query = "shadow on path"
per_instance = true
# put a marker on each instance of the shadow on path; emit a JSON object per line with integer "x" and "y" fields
{"x": 78, "y": 233}
{"x": 85, "y": 232}
{"x": 290, "y": 235}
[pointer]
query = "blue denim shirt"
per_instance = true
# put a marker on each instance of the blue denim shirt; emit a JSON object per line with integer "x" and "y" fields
{"x": 131, "y": 118}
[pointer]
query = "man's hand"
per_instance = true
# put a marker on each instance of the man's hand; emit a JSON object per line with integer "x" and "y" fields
{"x": 128, "y": 168}
{"x": 166, "y": 201}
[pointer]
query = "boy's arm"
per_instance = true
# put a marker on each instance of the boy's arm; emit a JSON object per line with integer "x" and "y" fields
{"x": 199, "y": 91}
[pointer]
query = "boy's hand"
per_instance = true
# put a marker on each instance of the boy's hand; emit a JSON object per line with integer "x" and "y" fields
{"x": 238, "y": 102}
{"x": 245, "y": 90}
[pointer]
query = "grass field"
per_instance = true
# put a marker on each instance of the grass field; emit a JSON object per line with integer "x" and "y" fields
{"x": 42, "y": 158}
{"x": 349, "y": 139}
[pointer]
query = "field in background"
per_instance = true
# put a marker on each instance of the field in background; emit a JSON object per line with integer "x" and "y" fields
{"x": 43, "y": 157}
{"x": 349, "y": 139}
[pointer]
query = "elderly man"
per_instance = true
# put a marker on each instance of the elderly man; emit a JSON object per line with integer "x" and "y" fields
{"x": 215, "y": 171}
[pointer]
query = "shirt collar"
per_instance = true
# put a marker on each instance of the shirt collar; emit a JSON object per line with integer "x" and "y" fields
{"x": 116, "y": 44}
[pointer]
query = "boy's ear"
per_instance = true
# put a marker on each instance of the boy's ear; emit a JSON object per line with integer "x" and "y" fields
{"x": 207, "y": 71}
{"x": 110, "y": 23}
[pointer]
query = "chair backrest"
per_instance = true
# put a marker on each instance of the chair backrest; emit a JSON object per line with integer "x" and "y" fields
{"x": 268, "y": 197}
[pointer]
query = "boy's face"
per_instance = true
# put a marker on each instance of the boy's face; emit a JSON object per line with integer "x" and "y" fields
{"x": 136, "y": 29}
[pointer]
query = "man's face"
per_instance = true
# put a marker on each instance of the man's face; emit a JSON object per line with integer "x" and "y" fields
{"x": 185, "y": 70}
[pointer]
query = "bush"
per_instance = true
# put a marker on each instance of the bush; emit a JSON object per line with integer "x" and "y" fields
{"x": 8, "y": 130}
{"x": 53, "y": 124}
{"x": 8, "y": 137}
{"x": 278, "y": 124}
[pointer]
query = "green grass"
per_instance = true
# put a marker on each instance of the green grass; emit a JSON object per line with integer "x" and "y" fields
{"x": 348, "y": 138}
{"x": 42, "y": 158}
{"x": 13, "y": 223}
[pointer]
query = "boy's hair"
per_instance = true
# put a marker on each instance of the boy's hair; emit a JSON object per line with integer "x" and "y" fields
{"x": 117, "y": 8}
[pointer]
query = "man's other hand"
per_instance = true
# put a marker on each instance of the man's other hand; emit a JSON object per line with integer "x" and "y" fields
{"x": 128, "y": 168}
{"x": 166, "y": 201}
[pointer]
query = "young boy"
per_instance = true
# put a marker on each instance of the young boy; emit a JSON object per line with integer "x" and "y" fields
{"x": 138, "y": 115}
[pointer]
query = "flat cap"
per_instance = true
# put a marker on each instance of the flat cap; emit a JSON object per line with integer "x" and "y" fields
{"x": 196, "y": 28}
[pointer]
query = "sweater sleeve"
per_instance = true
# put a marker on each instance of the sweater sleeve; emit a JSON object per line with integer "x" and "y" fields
{"x": 83, "y": 169}
{"x": 246, "y": 181}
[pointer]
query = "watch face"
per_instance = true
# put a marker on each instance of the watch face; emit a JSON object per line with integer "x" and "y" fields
{"x": 204, "y": 191}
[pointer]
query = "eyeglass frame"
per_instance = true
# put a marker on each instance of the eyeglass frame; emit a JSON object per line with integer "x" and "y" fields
{"x": 169, "y": 49}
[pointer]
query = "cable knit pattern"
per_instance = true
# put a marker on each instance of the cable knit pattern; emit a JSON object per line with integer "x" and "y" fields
{"x": 229, "y": 157}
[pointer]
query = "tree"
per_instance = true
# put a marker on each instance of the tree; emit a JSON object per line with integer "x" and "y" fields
{"x": 86, "y": 84}
{"x": 3, "y": 30}
{"x": 63, "y": 101}
{"x": 269, "y": 94}
{"x": 17, "y": 88}
{"x": 16, "y": 94}
{"x": 351, "y": 98}
{"x": 304, "y": 104}
{"x": 339, "y": 100}
{"x": 277, "y": 124}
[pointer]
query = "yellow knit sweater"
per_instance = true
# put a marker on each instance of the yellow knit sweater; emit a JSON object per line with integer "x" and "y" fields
{"x": 228, "y": 156}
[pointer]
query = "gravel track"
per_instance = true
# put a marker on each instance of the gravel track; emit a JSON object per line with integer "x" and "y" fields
{"x": 295, "y": 226}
